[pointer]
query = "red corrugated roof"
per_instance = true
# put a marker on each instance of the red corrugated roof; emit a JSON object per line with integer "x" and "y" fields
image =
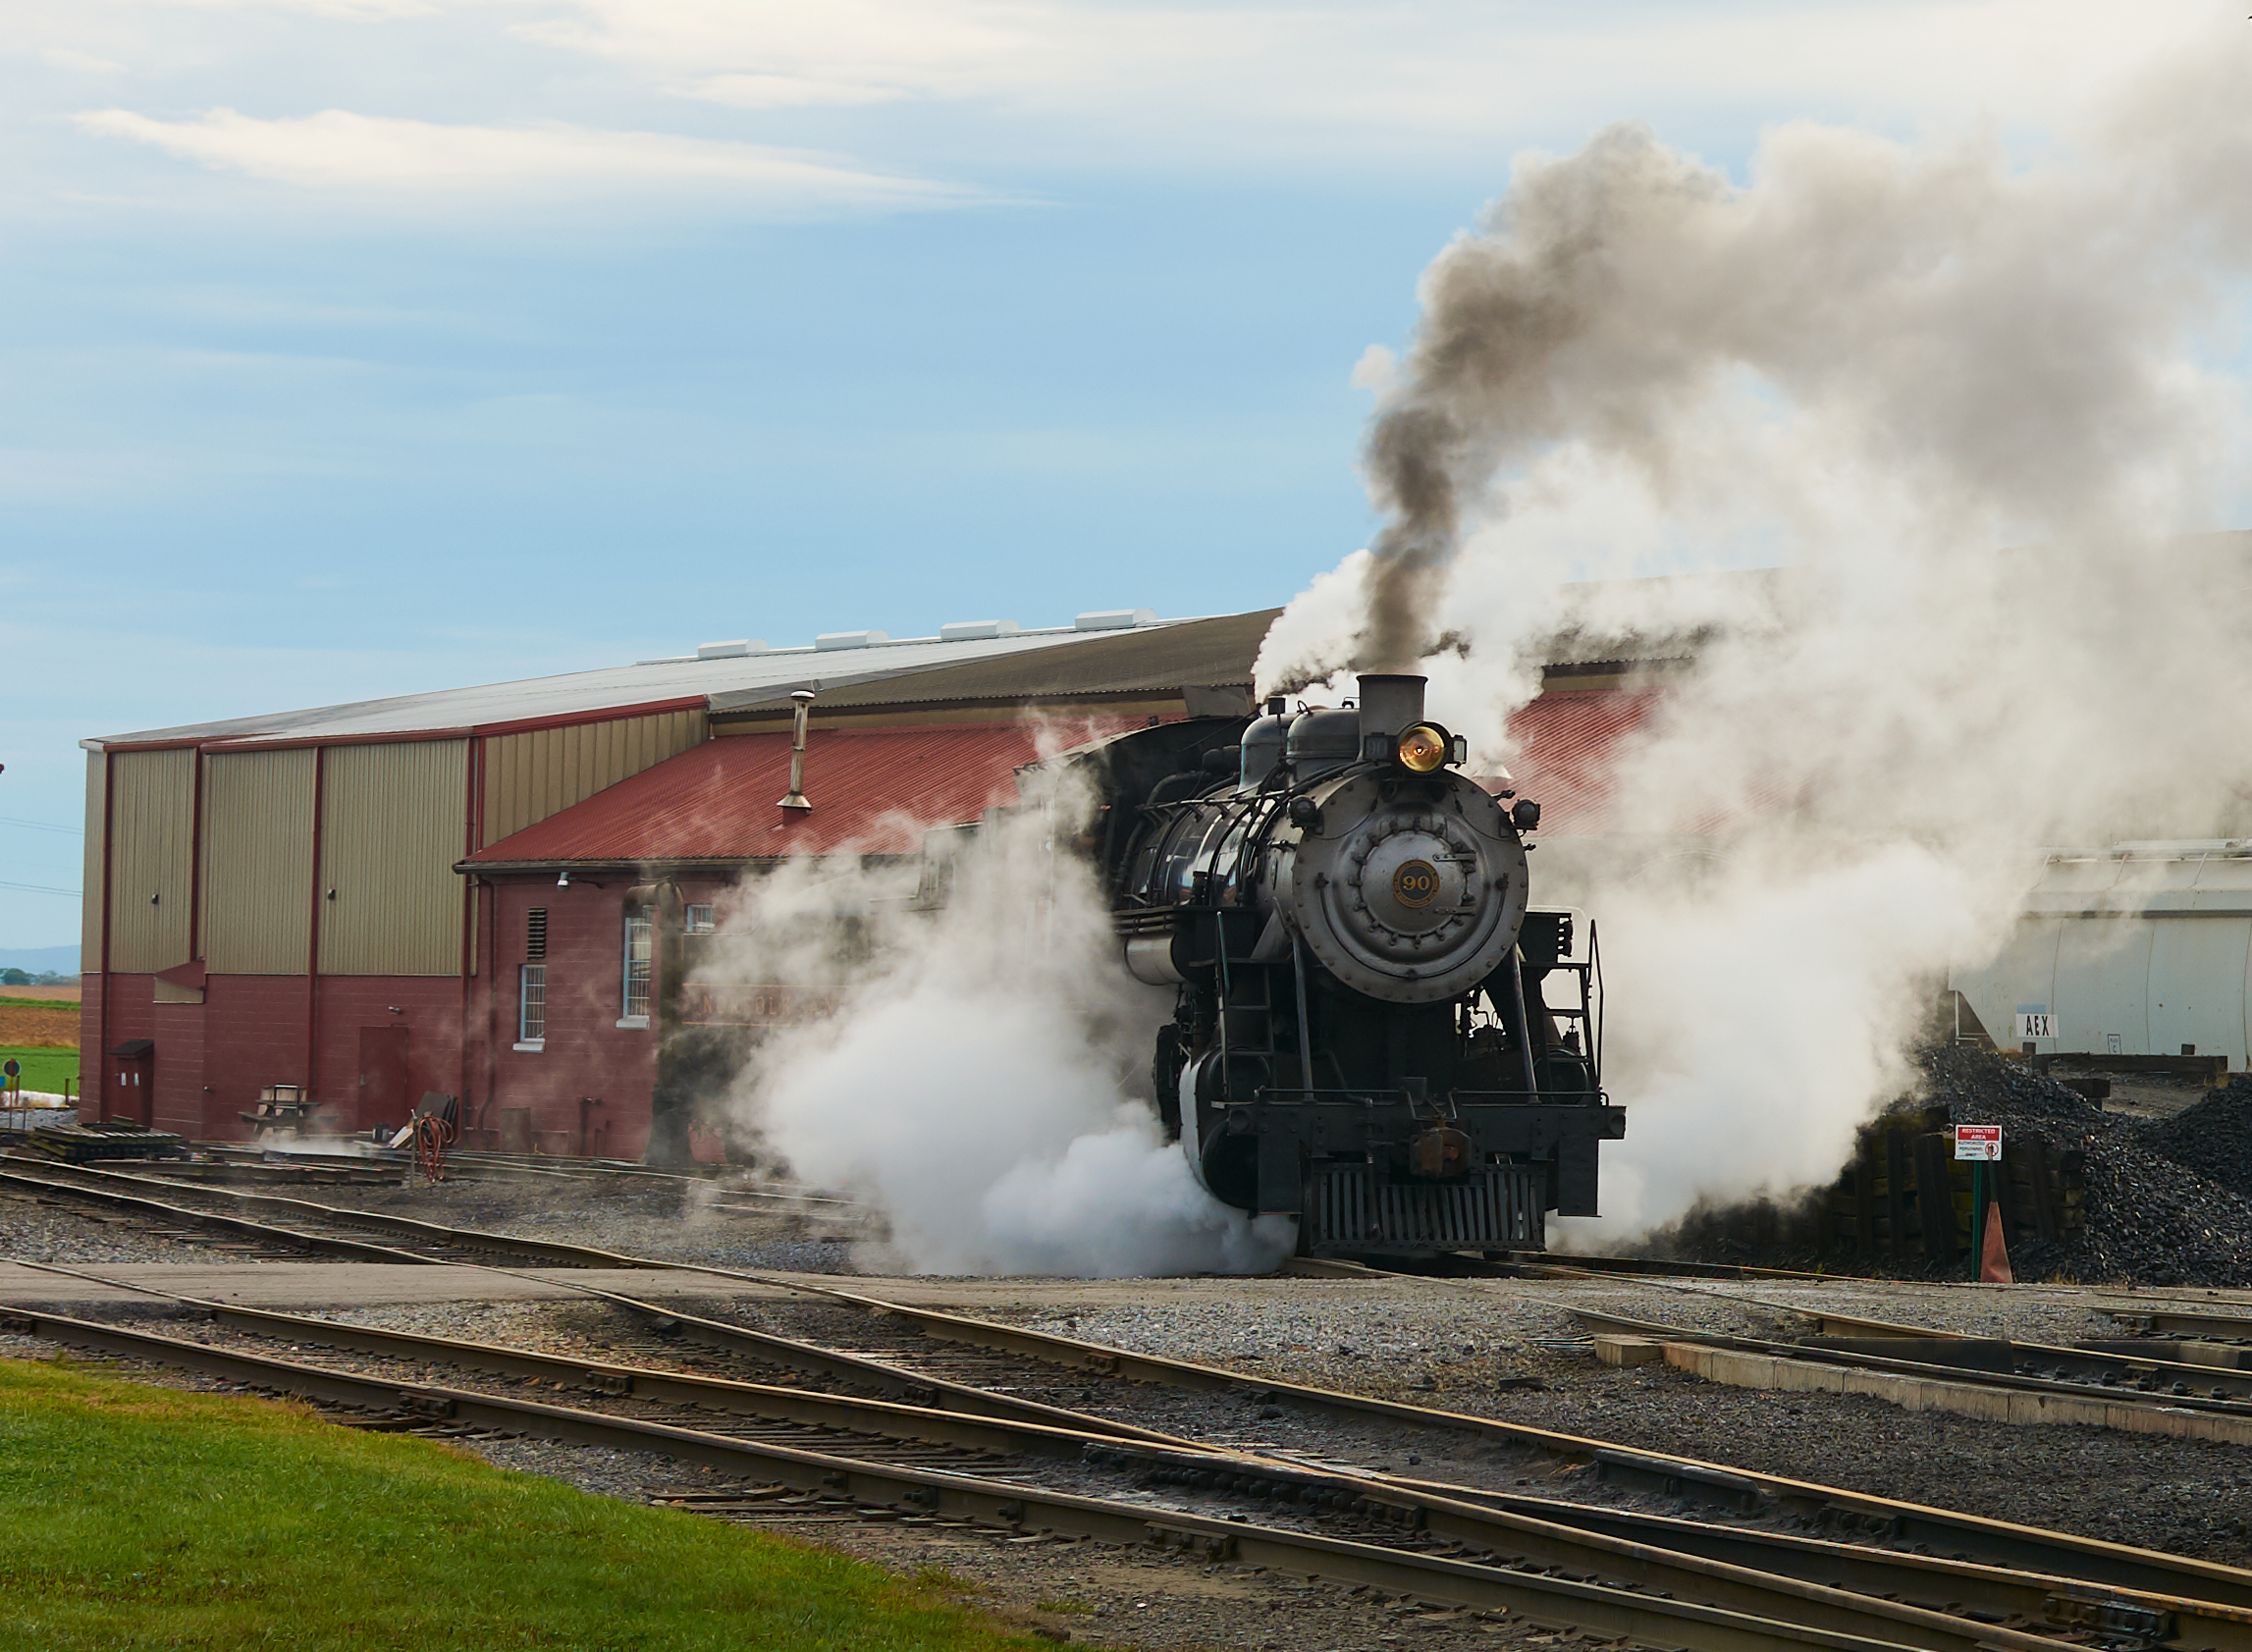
{"x": 872, "y": 789}
{"x": 877, "y": 789}
{"x": 1568, "y": 742}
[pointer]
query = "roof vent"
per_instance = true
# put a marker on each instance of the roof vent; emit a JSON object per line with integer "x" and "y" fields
{"x": 730, "y": 650}
{"x": 976, "y": 631}
{"x": 850, "y": 639}
{"x": 1115, "y": 620}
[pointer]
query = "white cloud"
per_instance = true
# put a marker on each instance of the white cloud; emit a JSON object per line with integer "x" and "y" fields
{"x": 85, "y": 63}
{"x": 371, "y": 9}
{"x": 338, "y": 150}
{"x": 1425, "y": 68}
{"x": 1069, "y": 85}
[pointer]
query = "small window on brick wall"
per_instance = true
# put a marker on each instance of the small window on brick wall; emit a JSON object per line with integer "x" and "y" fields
{"x": 699, "y": 920}
{"x": 638, "y": 951}
{"x": 532, "y": 1005}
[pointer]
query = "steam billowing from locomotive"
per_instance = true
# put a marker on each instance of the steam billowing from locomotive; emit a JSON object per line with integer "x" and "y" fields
{"x": 978, "y": 1083}
{"x": 1878, "y": 364}
{"x": 1211, "y": 990}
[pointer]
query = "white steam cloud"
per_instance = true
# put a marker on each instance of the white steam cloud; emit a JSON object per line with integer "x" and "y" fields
{"x": 1878, "y": 364}
{"x": 985, "y": 1085}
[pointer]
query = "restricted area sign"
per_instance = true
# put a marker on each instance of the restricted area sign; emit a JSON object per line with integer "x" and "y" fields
{"x": 1978, "y": 1140}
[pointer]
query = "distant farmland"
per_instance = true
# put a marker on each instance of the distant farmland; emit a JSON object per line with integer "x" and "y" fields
{"x": 32, "y": 1023}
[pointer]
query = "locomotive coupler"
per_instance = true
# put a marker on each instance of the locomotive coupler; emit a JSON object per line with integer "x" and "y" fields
{"x": 1438, "y": 1153}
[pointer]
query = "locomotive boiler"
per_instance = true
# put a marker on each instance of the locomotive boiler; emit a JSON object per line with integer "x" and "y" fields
{"x": 1373, "y": 1030}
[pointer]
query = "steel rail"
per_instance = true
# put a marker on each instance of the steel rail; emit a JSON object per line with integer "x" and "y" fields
{"x": 431, "y": 1233}
{"x": 2184, "y": 1321}
{"x": 247, "y": 1227}
{"x": 1921, "y": 1579}
{"x": 2004, "y": 1592}
{"x": 892, "y": 1418}
{"x": 915, "y": 1389}
{"x": 2226, "y": 1392}
{"x": 1935, "y": 1370}
{"x": 2000, "y": 1542}
{"x": 1490, "y": 1520}
{"x": 1818, "y": 1614}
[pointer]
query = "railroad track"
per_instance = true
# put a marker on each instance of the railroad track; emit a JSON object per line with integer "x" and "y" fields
{"x": 294, "y": 1225}
{"x": 1707, "y": 1586}
{"x": 912, "y": 1347}
{"x": 2177, "y": 1320}
{"x": 2115, "y": 1370}
{"x": 1541, "y": 1264}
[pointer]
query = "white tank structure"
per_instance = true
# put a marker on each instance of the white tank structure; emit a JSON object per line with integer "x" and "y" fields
{"x": 2139, "y": 950}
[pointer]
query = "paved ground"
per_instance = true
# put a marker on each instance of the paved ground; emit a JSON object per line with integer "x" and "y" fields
{"x": 1349, "y": 1305}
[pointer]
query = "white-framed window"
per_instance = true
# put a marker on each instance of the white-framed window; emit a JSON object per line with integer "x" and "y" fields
{"x": 640, "y": 933}
{"x": 531, "y": 1006}
{"x": 699, "y": 920}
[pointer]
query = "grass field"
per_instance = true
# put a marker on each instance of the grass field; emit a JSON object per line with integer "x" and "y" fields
{"x": 45, "y": 1068}
{"x": 135, "y": 1517}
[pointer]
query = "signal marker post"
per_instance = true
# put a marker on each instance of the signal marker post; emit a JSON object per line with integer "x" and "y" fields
{"x": 1981, "y": 1144}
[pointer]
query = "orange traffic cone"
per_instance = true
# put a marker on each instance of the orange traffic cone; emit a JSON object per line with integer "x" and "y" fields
{"x": 1994, "y": 1254}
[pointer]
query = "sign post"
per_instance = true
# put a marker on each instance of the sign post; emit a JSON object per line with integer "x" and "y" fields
{"x": 1981, "y": 1144}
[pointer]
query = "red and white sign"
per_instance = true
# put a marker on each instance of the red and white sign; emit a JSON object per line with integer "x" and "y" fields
{"x": 1978, "y": 1140}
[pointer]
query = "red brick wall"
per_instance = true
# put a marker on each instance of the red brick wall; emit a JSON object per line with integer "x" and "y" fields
{"x": 132, "y": 1015}
{"x": 213, "y": 1058}
{"x": 430, "y": 1008}
{"x": 255, "y": 1036}
{"x": 587, "y": 1053}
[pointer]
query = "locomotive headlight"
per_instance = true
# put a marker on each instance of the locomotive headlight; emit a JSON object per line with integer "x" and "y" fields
{"x": 1422, "y": 749}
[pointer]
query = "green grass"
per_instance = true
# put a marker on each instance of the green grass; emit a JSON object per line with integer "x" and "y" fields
{"x": 135, "y": 1517}
{"x": 45, "y": 1066}
{"x": 38, "y": 1003}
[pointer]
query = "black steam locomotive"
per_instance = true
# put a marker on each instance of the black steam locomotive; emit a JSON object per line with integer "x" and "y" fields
{"x": 1373, "y": 1030}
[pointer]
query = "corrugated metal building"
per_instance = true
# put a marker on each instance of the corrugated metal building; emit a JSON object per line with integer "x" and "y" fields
{"x": 457, "y": 891}
{"x": 340, "y": 898}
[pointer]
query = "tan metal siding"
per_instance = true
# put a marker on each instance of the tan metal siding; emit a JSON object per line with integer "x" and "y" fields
{"x": 391, "y": 830}
{"x": 90, "y": 883}
{"x": 530, "y": 776}
{"x": 151, "y": 847}
{"x": 258, "y": 861}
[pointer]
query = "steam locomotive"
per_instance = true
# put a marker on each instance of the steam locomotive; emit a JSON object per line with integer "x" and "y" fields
{"x": 1374, "y": 1032}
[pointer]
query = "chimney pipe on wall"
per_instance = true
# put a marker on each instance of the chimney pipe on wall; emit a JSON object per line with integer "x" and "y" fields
{"x": 802, "y": 697}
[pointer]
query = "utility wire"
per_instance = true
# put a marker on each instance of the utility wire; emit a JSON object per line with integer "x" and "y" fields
{"x": 40, "y": 889}
{"x": 40, "y": 826}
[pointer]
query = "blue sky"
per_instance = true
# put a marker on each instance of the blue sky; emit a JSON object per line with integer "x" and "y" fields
{"x": 359, "y": 347}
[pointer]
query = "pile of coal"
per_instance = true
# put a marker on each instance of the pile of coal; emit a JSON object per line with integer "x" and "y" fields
{"x": 2153, "y": 1217}
{"x": 2213, "y": 1137}
{"x": 2168, "y": 1202}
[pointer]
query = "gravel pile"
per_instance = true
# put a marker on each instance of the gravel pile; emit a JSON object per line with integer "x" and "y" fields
{"x": 2150, "y": 1219}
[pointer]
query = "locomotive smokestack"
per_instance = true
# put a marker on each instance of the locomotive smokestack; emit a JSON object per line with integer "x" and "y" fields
{"x": 1389, "y": 704}
{"x": 802, "y": 699}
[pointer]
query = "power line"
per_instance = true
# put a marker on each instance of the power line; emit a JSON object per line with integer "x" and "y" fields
{"x": 40, "y": 826}
{"x": 40, "y": 889}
